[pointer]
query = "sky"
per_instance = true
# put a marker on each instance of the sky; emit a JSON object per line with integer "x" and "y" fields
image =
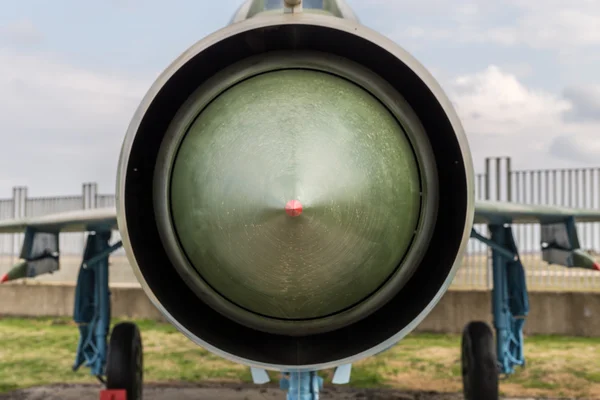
{"x": 522, "y": 74}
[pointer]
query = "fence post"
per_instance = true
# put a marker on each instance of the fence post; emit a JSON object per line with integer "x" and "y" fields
{"x": 500, "y": 187}
{"x": 89, "y": 195}
{"x": 503, "y": 192}
{"x": 19, "y": 210}
{"x": 487, "y": 178}
{"x": 88, "y": 200}
{"x": 509, "y": 196}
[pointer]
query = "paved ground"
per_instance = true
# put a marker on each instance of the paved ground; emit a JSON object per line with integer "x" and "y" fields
{"x": 220, "y": 392}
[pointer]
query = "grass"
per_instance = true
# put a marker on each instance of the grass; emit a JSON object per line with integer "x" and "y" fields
{"x": 41, "y": 351}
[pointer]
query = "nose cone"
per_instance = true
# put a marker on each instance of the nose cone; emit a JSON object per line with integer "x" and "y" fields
{"x": 295, "y": 194}
{"x": 293, "y": 208}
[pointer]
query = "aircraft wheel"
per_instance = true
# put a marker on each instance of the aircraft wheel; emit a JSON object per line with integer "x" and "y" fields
{"x": 125, "y": 361}
{"x": 479, "y": 363}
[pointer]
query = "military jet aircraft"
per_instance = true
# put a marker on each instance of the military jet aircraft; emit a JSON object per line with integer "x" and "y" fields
{"x": 295, "y": 193}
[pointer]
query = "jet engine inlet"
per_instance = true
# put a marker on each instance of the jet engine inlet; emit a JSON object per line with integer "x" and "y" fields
{"x": 288, "y": 185}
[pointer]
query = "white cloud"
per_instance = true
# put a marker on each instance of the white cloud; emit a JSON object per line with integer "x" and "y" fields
{"x": 504, "y": 117}
{"x": 65, "y": 125}
{"x": 495, "y": 102}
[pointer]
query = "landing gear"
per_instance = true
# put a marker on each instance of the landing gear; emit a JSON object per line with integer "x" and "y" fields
{"x": 479, "y": 363}
{"x": 125, "y": 362}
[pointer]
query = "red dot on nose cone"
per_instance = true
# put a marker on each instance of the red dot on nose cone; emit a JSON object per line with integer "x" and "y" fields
{"x": 293, "y": 208}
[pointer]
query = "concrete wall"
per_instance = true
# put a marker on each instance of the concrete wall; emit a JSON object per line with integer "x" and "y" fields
{"x": 551, "y": 313}
{"x": 572, "y": 314}
{"x": 57, "y": 300}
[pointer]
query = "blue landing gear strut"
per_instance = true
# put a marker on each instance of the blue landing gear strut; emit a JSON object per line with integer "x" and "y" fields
{"x": 301, "y": 385}
{"x": 304, "y": 385}
{"x": 510, "y": 306}
{"x": 510, "y": 302}
{"x": 92, "y": 303}
{"x": 121, "y": 361}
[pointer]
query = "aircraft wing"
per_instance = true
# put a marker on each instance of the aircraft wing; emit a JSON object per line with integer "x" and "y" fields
{"x": 40, "y": 252}
{"x": 71, "y": 221}
{"x": 496, "y": 212}
{"x": 46, "y": 228}
{"x": 559, "y": 238}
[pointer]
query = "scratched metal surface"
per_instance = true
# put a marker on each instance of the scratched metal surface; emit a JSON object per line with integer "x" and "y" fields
{"x": 295, "y": 135}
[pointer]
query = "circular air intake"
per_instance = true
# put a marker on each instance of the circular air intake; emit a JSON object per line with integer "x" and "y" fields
{"x": 295, "y": 192}
{"x": 302, "y": 127}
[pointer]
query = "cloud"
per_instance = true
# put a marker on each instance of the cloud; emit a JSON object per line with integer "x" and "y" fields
{"x": 65, "y": 124}
{"x": 502, "y": 116}
{"x": 496, "y": 102}
{"x": 586, "y": 103}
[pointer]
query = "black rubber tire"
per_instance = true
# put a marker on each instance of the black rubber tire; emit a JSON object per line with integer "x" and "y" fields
{"x": 125, "y": 361}
{"x": 479, "y": 362}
